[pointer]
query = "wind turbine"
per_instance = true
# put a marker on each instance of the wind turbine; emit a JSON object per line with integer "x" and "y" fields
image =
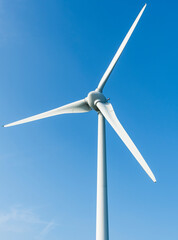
{"x": 98, "y": 102}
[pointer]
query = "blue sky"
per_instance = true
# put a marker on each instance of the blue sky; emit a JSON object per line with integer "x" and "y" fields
{"x": 55, "y": 52}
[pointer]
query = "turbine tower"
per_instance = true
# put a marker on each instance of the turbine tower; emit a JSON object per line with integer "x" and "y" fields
{"x": 98, "y": 102}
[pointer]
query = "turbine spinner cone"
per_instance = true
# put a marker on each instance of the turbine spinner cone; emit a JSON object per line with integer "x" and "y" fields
{"x": 94, "y": 97}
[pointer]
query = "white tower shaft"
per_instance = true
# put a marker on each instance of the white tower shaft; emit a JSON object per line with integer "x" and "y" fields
{"x": 102, "y": 230}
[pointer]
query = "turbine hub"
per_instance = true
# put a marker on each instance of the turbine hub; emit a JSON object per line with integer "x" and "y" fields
{"x": 94, "y": 97}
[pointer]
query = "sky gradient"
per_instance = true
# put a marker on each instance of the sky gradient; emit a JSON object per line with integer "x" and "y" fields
{"x": 55, "y": 52}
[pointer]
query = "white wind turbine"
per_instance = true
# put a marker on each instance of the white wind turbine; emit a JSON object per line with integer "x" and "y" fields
{"x": 98, "y": 102}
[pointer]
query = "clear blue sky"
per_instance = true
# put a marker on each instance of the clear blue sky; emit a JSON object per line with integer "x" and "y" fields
{"x": 55, "y": 52}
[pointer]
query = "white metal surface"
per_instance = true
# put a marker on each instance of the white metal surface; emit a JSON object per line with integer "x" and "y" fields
{"x": 102, "y": 232}
{"x": 119, "y": 51}
{"x": 75, "y": 107}
{"x": 108, "y": 112}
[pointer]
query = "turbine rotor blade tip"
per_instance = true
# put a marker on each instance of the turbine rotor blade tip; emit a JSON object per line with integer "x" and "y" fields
{"x": 153, "y": 178}
{"x": 6, "y": 125}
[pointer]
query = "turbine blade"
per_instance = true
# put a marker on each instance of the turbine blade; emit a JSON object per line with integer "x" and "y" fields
{"x": 118, "y": 53}
{"x": 75, "y": 107}
{"x": 108, "y": 112}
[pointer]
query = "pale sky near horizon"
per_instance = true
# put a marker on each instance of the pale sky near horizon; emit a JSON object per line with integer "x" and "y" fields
{"x": 55, "y": 52}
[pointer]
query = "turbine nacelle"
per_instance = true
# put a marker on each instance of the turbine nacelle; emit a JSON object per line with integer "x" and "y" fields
{"x": 93, "y": 98}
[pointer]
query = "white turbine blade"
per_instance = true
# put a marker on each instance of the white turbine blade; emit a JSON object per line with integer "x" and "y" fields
{"x": 108, "y": 112}
{"x": 119, "y": 51}
{"x": 75, "y": 107}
